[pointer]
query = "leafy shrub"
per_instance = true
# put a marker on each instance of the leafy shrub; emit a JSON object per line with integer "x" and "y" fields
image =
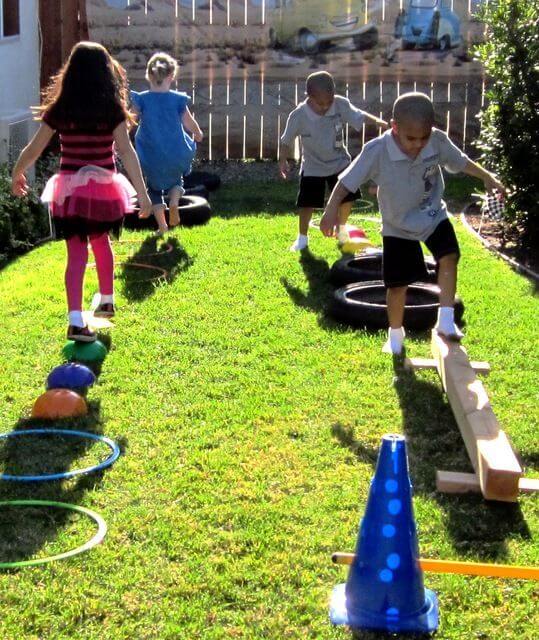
{"x": 509, "y": 141}
{"x": 23, "y": 221}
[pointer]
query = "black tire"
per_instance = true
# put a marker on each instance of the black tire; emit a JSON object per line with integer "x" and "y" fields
{"x": 194, "y": 210}
{"x": 199, "y": 190}
{"x": 363, "y": 268}
{"x": 364, "y": 305}
{"x": 366, "y": 40}
{"x": 445, "y": 43}
{"x": 273, "y": 40}
{"x": 196, "y": 178}
{"x": 308, "y": 42}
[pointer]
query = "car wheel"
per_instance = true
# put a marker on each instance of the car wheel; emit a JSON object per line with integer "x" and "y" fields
{"x": 308, "y": 42}
{"x": 273, "y": 41}
{"x": 445, "y": 43}
{"x": 366, "y": 40}
{"x": 368, "y": 267}
{"x": 364, "y": 305}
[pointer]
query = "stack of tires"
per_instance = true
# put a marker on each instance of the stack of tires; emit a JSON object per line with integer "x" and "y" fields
{"x": 360, "y": 299}
{"x": 194, "y": 206}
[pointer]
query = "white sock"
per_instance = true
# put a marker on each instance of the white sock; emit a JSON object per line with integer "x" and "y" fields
{"x": 395, "y": 341}
{"x": 301, "y": 242}
{"x": 106, "y": 299}
{"x": 75, "y": 319}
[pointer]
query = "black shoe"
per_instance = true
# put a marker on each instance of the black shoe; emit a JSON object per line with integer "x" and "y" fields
{"x": 104, "y": 310}
{"x": 81, "y": 334}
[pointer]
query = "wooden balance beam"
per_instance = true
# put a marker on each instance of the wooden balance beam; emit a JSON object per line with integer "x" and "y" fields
{"x": 498, "y": 473}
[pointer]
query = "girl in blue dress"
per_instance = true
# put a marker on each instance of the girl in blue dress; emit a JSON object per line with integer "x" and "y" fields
{"x": 166, "y": 138}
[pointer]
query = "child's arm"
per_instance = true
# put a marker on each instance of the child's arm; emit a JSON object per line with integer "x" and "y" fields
{"x": 377, "y": 121}
{"x": 130, "y": 161}
{"x": 490, "y": 181}
{"x": 192, "y": 125}
{"x": 288, "y": 138}
{"x": 29, "y": 155}
{"x": 284, "y": 167}
{"x": 330, "y": 218}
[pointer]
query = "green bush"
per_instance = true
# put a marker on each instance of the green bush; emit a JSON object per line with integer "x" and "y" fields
{"x": 23, "y": 221}
{"x": 509, "y": 140}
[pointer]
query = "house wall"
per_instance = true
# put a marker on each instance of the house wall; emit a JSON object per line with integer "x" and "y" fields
{"x": 19, "y": 63}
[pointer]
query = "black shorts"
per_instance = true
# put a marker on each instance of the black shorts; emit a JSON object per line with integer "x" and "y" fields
{"x": 403, "y": 261}
{"x": 312, "y": 191}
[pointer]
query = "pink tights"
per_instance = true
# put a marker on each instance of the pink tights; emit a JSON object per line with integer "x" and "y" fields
{"x": 77, "y": 258}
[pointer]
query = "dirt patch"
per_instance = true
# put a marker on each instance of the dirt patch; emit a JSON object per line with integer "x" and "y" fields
{"x": 501, "y": 238}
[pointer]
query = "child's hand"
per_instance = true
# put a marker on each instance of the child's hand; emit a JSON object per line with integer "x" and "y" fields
{"x": 145, "y": 203}
{"x": 19, "y": 186}
{"x": 198, "y": 137}
{"x": 284, "y": 168}
{"x": 492, "y": 183}
{"x": 329, "y": 221}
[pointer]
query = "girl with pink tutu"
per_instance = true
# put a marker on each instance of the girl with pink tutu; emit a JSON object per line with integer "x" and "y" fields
{"x": 86, "y": 103}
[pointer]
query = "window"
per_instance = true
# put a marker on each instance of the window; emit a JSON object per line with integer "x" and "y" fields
{"x": 9, "y": 18}
{"x": 424, "y": 4}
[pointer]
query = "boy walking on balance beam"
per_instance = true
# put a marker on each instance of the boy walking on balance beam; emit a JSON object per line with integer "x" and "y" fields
{"x": 406, "y": 163}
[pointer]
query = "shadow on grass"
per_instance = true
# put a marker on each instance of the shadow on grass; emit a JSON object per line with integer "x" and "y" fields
{"x": 240, "y": 200}
{"x": 156, "y": 262}
{"x": 320, "y": 290}
{"x": 475, "y": 526}
{"x": 25, "y": 530}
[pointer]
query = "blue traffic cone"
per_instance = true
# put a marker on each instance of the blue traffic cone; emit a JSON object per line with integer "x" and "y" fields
{"x": 385, "y": 588}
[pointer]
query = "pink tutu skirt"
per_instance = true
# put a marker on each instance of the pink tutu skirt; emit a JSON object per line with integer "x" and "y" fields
{"x": 92, "y": 200}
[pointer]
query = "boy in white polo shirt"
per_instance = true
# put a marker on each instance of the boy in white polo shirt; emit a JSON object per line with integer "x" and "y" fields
{"x": 405, "y": 162}
{"x": 319, "y": 122}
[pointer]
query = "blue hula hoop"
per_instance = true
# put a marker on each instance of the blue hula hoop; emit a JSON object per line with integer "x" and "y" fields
{"x": 115, "y": 449}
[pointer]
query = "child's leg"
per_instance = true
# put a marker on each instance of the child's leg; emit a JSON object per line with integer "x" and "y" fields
{"x": 174, "y": 196}
{"x": 447, "y": 281}
{"x": 311, "y": 195}
{"x": 302, "y": 241}
{"x": 396, "y": 299}
{"x": 104, "y": 262}
{"x": 159, "y": 213}
{"x": 444, "y": 246}
{"x": 77, "y": 258}
{"x": 403, "y": 263}
{"x": 344, "y": 213}
{"x": 305, "y": 215}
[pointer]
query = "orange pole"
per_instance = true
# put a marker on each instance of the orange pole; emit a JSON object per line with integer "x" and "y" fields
{"x": 465, "y": 568}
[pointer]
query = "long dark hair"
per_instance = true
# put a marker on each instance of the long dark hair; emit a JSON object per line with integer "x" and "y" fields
{"x": 89, "y": 91}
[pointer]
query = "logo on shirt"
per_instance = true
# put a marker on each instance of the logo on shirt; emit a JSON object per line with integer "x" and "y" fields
{"x": 428, "y": 181}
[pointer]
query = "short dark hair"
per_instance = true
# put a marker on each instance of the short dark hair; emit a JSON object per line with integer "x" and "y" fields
{"x": 320, "y": 81}
{"x": 413, "y": 106}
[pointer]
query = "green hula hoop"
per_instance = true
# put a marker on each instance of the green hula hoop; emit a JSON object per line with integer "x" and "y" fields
{"x": 97, "y": 538}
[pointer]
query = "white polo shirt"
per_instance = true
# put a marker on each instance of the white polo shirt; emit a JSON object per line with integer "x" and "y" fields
{"x": 322, "y": 137}
{"x": 409, "y": 191}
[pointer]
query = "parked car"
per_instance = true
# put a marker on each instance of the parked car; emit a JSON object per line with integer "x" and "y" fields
{"x": 310, "y": 25}
{"x": 428, "y": 23}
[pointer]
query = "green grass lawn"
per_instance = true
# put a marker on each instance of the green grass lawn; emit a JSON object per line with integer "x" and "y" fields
{"x": 250, "y": 424}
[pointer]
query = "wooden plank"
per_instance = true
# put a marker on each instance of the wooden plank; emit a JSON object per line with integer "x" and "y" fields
{"x": 456, "y": 482}
{"x": 429, "y": 363}
{"x": 488, "y": 447}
